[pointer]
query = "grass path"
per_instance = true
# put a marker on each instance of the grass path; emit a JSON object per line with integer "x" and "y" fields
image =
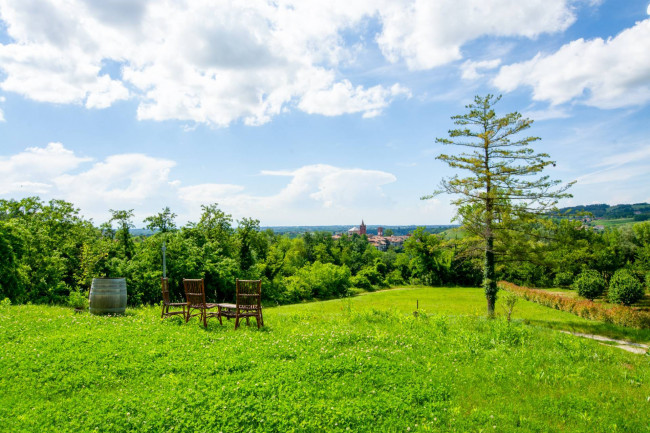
{"x": 358, "y": 364}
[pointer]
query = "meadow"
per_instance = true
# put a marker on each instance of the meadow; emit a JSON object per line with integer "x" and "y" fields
{"x": 366, "y": 363}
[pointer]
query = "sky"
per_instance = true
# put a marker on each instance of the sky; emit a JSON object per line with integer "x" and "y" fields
{"x": 310, "y": 112}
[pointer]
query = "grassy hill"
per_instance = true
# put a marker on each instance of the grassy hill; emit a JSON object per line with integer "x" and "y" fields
{"x": 358, "y": 364}
{"x": 634, "y": 212}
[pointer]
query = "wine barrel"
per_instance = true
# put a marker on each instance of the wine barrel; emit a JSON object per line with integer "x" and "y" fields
{"x": 108, "y": 296}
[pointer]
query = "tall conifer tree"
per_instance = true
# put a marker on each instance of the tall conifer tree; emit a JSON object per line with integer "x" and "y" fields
{"x": 505, "y": 190}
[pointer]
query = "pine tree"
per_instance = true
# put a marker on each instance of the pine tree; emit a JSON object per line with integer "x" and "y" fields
{"x": 505, "y": 190}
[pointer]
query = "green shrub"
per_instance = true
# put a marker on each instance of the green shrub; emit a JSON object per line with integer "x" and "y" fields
{"x": 318, "y": 280}
{"x": 647, "y": 281}
{"x": 6, "y": 302}
{"x": 563, "y": 279}
{"x": 395, "y": 278}
{"x": 78, "y": 300}
{"x": 589, "y": 284}
{"x": 362, "y": 282}
{"x": 624, "y": 288}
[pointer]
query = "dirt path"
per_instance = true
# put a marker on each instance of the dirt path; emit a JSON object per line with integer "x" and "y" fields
{"x": 621, "y": 344}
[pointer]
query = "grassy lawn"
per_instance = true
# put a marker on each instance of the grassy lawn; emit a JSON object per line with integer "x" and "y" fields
{"x": 358, "y": 364}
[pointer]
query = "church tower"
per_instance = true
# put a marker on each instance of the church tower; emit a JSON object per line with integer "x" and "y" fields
{"x": 362, "y": 228}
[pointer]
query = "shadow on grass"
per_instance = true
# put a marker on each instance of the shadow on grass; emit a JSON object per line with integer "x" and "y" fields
{"x": 597, "y": 328}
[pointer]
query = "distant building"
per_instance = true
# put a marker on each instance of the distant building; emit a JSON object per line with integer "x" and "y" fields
{"x": 379, "y": 241}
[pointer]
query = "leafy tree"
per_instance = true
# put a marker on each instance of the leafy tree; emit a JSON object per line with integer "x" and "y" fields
{"x": 504, "y": 191}
{"x": 123, "y": 235}
{"x": 251, "y": 242}
{"x": 429, "y": 261}
{"x": 162, "y": 221}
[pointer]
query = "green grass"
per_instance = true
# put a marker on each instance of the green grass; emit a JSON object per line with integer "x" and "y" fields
{"x": 358, "y": 364}
{"x": 617, "y": 222}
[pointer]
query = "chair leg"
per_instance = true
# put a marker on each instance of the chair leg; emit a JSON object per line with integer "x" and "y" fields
{"x": 248, "y": 323}
{"x": 204, "y": 313}
{"x": 236, "y": 320}
{"x": 261, "y": 318}
{"x": 163, "y": 312}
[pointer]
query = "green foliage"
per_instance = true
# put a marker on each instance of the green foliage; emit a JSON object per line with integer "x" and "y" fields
{"x": 360, "y": 281}
{"x": 162, "y": 221}
{"x": 318, "y": 280}
{"x": 428, "y": 260}
{"x": 6, "y": 302}
{"x": 624, "y": 288}
{"x": 124, "y": 223}
{"x": 563, "y": 279}
{"x": 619, "y": 315}
{"x": 78, "y": 299}
{"x": 509, "y": 301}
{"x": 589, "y": 284}
{"x": 504, "y": 191}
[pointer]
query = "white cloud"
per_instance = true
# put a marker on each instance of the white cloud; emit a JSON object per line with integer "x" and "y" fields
{"x": 318, "y": 194}
{"x": 427, "y": 34}
{"x": 342, "y": 98}
{"x": 605, "y": 74}
{"x": 32, "y": 171}
{"x": 469, "y": 69}
{"x": 547, "y": 114}
{"x": 618, "y": 168}
{"x": 208, "y": 192}
{"x": 217, "y": 62}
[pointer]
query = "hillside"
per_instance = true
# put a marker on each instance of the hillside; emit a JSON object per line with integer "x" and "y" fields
{"x": 637, "y": 211}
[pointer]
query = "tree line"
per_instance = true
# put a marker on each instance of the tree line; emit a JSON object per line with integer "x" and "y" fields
{"x": 48, "y": 251}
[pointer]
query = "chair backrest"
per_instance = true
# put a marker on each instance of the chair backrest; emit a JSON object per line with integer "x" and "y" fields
{"x": 249, "y": 294}
{"x": 165, "y": 290}
{"x": 194, "y": 291}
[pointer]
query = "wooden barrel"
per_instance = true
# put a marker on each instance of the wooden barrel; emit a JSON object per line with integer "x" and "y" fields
{"x": 108, "y": 296}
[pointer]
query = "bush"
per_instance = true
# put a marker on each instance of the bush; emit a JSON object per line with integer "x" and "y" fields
{"x": 395, "y": 278}
{"x": 624, "y": 288}
{"x": 647, "y": 281}
{"x": 589, "y": 284}
{"x": 318, "y": 280}
{"x": 563, "y": 279}
{"x": 78, "y": 300}
{"x": 362, "y": 282}
{"x": 623, "y": 316}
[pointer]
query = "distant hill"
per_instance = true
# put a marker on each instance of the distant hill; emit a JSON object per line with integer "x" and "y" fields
{"x": 637, "y": 211}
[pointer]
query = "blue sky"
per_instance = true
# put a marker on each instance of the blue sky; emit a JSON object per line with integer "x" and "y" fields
{"x": 310, "y": 112}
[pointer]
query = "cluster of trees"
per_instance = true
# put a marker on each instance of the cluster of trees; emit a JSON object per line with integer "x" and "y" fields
{"x": 47, "y": 251}
{"x": 559, "y": 250}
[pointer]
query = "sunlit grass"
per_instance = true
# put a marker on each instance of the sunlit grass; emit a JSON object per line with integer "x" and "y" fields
{"x": 364, "y": 364}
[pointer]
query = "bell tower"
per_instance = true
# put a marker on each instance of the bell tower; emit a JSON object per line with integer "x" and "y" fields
{"x": 362, "y": 228}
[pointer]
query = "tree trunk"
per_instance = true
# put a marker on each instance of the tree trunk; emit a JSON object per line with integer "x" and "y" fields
{"x": 489, "y": 283}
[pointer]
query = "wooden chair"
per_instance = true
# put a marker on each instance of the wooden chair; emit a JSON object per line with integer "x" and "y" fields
{"x": 167, "y": 303}
{"x": 195, "y": 295}
{"x": 249, "y": 303}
